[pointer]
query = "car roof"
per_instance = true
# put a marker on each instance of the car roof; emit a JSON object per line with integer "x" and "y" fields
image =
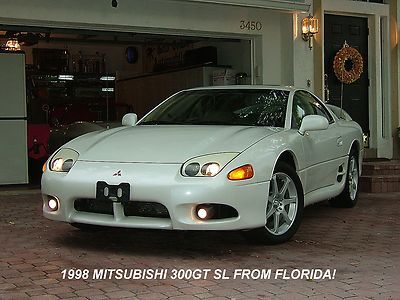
{"x": 244, "y": 87}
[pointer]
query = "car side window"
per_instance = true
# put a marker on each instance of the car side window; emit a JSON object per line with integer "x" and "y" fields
{"x": 305, "y": 104}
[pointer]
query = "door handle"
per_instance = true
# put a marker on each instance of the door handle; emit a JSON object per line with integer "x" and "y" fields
{"x": 339, "y": 142}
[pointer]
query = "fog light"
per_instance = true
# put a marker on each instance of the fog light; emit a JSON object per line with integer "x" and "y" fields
{"x": 53, "y": 204}
{"x": 204, "y": 212}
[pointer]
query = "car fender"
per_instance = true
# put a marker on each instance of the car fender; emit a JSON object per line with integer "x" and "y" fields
{"x": 264, "y": 155}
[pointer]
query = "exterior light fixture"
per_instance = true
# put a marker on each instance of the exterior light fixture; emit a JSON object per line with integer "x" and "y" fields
{"x": 12, "y": 45}
{"x": 309, "y": 27}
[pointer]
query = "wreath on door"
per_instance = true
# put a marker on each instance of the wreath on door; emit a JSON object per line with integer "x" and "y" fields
{"x": 348, "y": 64}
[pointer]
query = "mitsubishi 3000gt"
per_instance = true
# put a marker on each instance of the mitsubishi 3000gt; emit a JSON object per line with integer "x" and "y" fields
{"x": 246, "y": 158}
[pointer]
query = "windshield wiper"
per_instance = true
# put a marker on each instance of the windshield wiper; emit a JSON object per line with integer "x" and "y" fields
{"x": 216, "y": 122}
{"x": 160, "y": 122}
{"x": 208, "y": 123}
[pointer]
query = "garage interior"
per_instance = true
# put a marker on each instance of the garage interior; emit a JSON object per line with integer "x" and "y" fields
{"x": 90, "y": 79}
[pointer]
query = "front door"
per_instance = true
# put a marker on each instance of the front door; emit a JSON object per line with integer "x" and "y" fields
{"x": 322, "y": 148}
{"x": 354, "y": 30}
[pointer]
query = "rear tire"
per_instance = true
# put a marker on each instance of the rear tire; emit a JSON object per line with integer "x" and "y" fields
{"x": 284, "y": 207}
{"x": 349, "y": 196}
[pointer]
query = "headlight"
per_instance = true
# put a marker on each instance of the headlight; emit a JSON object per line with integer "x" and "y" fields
{"x": 207, "y": 165}
{"x": 210, "y": 169}
{"x": 63, "y": 160}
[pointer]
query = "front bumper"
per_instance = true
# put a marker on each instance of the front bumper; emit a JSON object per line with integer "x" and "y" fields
{"x": 160, "y": 183}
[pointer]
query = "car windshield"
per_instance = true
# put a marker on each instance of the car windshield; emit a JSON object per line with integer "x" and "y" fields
{"x": 251, "y": 107}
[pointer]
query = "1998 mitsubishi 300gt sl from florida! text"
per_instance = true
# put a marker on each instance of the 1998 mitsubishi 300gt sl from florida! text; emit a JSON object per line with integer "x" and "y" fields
{"x": 222, "y": 158}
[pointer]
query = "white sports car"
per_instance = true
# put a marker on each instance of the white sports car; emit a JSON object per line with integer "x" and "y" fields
{"x": 224, "y": 158}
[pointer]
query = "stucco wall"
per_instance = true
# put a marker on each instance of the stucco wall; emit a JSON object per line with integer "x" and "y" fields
{"x": 273, "y": 55}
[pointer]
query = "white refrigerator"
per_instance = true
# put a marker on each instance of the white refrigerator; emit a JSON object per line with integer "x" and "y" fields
{"x": 13, "y": 119}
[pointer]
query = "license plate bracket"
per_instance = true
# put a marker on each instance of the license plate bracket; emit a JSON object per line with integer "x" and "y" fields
{"x": 115, "y": 193}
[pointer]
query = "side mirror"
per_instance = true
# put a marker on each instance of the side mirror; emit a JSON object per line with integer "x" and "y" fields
{"x": 129, "y": 119}
{"x": 312, "y": 123}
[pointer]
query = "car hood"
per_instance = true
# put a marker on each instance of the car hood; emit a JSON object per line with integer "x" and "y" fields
{"x": 165, "y": 143}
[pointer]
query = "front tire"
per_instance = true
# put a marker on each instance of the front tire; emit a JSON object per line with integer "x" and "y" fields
{"x": 349, "y": 196}
{"x": 284, "y": 207}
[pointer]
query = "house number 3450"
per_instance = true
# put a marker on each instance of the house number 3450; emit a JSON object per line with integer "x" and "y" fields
{"x": 250, "y": 25}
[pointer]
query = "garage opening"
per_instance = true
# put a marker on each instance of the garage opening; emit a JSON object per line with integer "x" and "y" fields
{"x": 77, "y": 81}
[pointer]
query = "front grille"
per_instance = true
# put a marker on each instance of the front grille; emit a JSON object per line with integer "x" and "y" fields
{"x": 94, "y": 206}
{"x": 131, "y": 208}
{"x": 145, "y": 209}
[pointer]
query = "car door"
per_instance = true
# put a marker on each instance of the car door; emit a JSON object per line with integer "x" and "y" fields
{"x": 321, "y": 147}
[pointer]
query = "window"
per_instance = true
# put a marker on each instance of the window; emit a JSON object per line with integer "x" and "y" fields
{"x": 305, "y": 104}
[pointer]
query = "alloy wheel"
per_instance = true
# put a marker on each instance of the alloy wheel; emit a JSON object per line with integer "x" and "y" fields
{"x": 353, "y": 178}
{"x": 282, "y": 204}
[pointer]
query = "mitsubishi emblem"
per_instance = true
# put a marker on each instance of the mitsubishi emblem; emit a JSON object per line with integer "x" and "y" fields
{"x": 117, "y": 173}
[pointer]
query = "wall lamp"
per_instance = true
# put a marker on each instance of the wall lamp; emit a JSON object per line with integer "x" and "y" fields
{"x": 309, "y": 27}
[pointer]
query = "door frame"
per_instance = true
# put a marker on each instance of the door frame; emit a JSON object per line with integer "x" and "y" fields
{"x": 379, "y": 101}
